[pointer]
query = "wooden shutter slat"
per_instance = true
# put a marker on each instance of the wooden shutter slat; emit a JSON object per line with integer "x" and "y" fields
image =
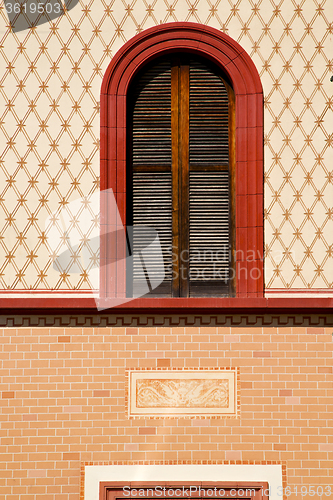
{"x": 151, "y": 181}
{"x": 209, "y": 232}
{"x": 152, "y": 117}
{"x": 209, "y": 144}
{"x": 152, "y": 208}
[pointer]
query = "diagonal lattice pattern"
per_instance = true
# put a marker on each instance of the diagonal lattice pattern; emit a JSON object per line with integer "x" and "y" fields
{"x": 49, "y": 138}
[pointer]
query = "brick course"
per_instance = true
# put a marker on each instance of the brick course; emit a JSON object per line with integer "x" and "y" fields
{"x": 63, "y": 403}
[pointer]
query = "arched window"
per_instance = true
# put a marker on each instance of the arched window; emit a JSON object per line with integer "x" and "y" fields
{"x": 182, "y": 149}
{"x": 180, "y": 170}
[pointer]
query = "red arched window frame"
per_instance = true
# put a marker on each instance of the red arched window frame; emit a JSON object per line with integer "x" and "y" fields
{"x": 232, "y": 58}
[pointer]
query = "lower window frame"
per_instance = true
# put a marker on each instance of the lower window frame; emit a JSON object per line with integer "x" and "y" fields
{"x": 223, "y": 490}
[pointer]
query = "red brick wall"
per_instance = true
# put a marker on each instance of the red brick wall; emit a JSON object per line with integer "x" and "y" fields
{"x": 63, "y": 403}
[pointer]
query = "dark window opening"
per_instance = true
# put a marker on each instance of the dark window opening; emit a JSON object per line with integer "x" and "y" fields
{"x": 180, "y": 179}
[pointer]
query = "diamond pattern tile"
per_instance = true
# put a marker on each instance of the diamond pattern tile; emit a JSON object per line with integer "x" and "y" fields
{"x": 49, "y": 127}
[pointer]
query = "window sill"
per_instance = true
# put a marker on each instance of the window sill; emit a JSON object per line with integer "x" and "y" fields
{"x": 194, "y": 305}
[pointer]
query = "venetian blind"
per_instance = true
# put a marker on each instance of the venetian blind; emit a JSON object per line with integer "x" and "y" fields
{"x": 205, "y": 248}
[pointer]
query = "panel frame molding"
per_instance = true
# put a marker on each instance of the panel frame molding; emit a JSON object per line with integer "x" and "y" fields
{"x": 228, "y": 370}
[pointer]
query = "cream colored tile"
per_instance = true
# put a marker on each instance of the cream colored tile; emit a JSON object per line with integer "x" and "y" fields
{"x": 275, "y": 46}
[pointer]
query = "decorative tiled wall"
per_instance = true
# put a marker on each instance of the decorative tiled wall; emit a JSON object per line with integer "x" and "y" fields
{"x": 49, "y": 118}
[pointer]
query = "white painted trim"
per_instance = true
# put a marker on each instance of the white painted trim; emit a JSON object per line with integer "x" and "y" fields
{"x": 127, "y": 473}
